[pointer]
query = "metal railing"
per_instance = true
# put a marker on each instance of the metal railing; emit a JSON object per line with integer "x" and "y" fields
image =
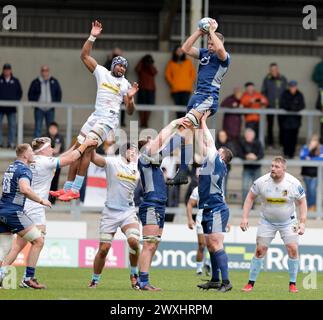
{"x": 166, "y": 109}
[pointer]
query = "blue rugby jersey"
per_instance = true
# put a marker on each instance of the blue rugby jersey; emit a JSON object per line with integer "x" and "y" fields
{"x": 211, "y": 182}
{"x": 12, "y": 199}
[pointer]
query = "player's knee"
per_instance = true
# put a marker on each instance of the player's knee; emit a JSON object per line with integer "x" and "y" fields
{"x": 292, "y": 251}
{"x": 104, "y": 250}
{"x": 133, "y": 244}
{"x": 261, "y": 252}
{"x": 34, "y": 236}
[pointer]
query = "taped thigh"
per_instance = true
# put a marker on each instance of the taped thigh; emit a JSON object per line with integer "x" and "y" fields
{"x": 33, "y": 234}
{"x": 152, "y": 239}
{"x": 106, "y": 237}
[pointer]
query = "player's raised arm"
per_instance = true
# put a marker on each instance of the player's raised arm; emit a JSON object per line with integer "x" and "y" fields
{"x": 218, "y": 43}
{"x": 187, "y": 46}
{"x": 248, "y": 203}
{"x": 89, "y": 61}
{"x": 98, "y": 160}
{"x": 205, "y": 140}
{"x": 129, "y": 100}
{"x": 302, "y": 205}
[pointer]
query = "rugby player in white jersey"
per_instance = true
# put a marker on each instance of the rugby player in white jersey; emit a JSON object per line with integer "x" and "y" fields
{"x": 113, "y": 89}
{"x": 192, "y": 202}
{"x": 43, "y": 169}
{"x": 279, "y": 192}
{"x": 119, "y": 211}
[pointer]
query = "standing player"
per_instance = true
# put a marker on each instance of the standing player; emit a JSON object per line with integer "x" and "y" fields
{"x": 43, "y": 170}
{"x": 113, "y": 89}
{"x": 213, "y": 65}
{"x": 15, "y": 189}
{"x": 119, "y": 211}
{"x": 279, "y": 192}
{"x": 192, "y": 202}
{"x": 215, "y": 210}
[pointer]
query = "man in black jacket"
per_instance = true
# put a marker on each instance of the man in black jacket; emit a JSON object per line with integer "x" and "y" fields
{"x": 10, "y": 89}
{"x": 45, "y": 88}
{"x": 291, "y": 100}
{"x": 250, "y": 149}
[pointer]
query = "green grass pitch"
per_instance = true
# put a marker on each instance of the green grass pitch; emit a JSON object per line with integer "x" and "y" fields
{"x": 71, "y": 284}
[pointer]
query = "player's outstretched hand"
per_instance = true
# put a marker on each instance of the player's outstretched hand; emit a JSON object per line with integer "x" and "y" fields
{"x": 46, "y": 203}
{"x": 244, "y": 225}
{"x": 213, "y": 25}
{"x": 133, "y": 90}
{"x": 90, "y": 142}
{"x": 301, "y": 229}
{"x": 96, "y": 28}
{"x": 206, "y": 114}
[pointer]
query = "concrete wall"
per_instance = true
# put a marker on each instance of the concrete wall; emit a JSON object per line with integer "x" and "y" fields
{"x": 79, "y": 85}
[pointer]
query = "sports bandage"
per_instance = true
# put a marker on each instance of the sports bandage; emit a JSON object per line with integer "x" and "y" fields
{"x": 106, "y": 237}
{"x": 91, "y": 38}
{"x": 32, "y": 234}
{"x": 132, "y": 233}
{"x": 190, "y": 116}
{"x": 5, "y": 245}
{"x": 133, "y": 251}
{"x": 152, "y": 239}
{"x": 44, "y": 146}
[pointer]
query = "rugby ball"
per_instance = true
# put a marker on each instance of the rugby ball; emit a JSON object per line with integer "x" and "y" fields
{"x": 204, "y": 24}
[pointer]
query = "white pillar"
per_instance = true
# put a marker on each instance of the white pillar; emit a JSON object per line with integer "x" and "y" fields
{"x": 196, "y": 15}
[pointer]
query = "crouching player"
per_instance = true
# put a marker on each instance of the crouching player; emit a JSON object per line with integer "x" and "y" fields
{"x": 119, "y": 211}
{"x": 215, "y": 210}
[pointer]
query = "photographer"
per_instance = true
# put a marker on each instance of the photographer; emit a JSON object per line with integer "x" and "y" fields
{"x": 146, "y": 79}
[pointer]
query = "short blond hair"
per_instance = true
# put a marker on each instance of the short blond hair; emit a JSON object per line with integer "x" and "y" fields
{"x": 21, "y": 149}
{"x": 280, "y": 159}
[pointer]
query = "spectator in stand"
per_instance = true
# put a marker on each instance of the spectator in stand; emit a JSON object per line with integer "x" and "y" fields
{"x": 115, "y": 53}
{"x": 251, "y": 149}
{"x": 180, "y": 75}
{"x": 291, "y": 100}
{"x": 58, "y": 145}
{"x": 232, "y": 121}
{"x": 146, "y": 72}
{"x": 253, "y": 99}
{"x": 318, "y": 79}
{"x": 273, "y": 86}
{"x": 45, "y": 88}
{"x": 10, "y": 89}
{"x": 222, "y": 140}
{"x": 311, "y": 152}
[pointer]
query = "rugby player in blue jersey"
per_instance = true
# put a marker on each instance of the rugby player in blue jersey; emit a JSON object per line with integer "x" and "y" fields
{"x": 215, "y": 214}
{"x": 213, "y": 65}
{"x": 16, "y": 187}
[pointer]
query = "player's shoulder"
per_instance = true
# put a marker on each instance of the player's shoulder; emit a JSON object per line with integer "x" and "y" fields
{"x": 266, "y": 178}
{"x": 99, "y": 69}
{"x": 290, "y": 179}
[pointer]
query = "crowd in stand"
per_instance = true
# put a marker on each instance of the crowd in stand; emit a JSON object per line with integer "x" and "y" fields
{"x": 239, "y": 132}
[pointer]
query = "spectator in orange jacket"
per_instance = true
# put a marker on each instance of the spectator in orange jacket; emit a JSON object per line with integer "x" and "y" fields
{"x": 180, "y": 75}
{"x": 254, "y": 100}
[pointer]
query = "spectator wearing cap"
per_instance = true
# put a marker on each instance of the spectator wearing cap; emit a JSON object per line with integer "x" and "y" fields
{"x": 273, "y": 86}
{"x": 10, "y": 89}
{"x": 253, "y": 99}
{"x": 45, "y": 88}
{"x": 291, "y": 100}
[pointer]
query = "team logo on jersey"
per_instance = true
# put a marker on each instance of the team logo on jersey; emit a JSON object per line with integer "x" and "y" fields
{"x": 205, "y": 60}
{"x": 285, "y": 192}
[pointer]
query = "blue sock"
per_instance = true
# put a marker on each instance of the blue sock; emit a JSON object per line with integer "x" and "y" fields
{"x": 222, "y": 262}
{"x": 68, "y": 185}
{"x": 77, "y": 184}
{"x": 143, "y": 278}
{"x": 293, "y": 265}
{"x": 2, "y": 272}
{"x": 215, "y": 267}
{"x": 186, "y": 155}
{"x": 133, "y": 270}
{"x": 29, "y": 273}
{"x": 256, "y": 264}
{"x": 96, "y": 277}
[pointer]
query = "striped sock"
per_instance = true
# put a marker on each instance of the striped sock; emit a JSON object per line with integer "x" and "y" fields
{"x": 29, "y": 273}
{"x": 143, "y": 278}
{"x": 96, "y": 277}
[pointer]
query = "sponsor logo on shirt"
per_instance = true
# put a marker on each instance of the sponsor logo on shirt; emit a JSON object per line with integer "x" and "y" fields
{"x": 113, "y": 88}
{"x": 126, "y": 177}
{"x": 276, "y": 200}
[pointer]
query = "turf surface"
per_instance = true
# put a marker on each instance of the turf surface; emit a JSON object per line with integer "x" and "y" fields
{"x": 71, "y": 283}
